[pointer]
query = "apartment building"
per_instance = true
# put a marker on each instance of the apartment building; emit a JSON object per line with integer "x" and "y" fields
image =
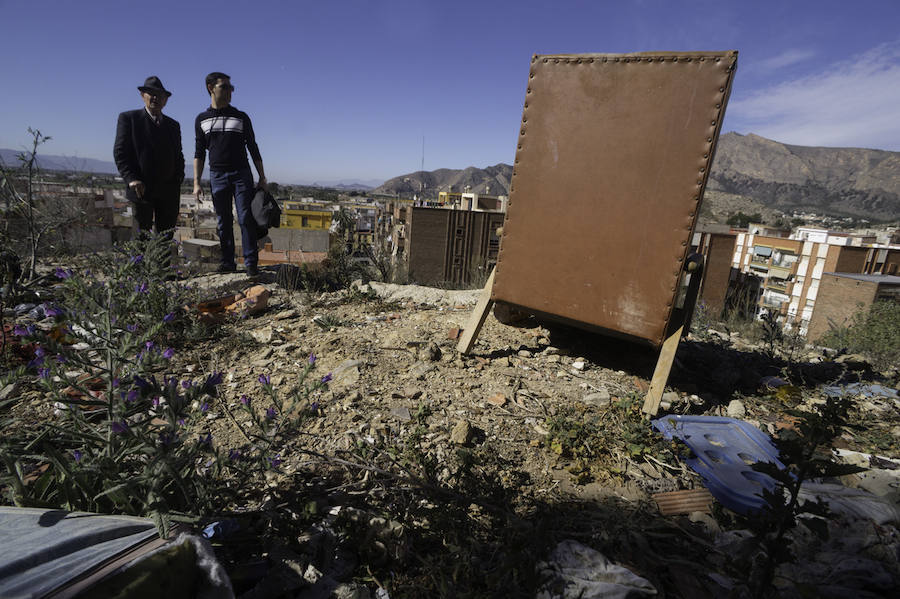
{"x": 305, "y": 216}
{"x": 472, "y": 201}
{"x": 455, "y": 246}
{"x": 790, "y": 269}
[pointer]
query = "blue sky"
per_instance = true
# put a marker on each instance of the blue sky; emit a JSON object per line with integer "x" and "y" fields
{"x": 348, "y": 89}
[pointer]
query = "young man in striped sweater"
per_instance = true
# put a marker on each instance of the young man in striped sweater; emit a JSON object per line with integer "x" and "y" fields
{"x": 227, "y": 134}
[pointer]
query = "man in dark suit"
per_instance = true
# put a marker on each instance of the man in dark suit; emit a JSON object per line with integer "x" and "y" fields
{"x": 149, "y": 157}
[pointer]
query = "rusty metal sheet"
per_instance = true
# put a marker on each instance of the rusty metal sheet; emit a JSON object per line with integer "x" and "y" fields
{"x": 612, "y": 160}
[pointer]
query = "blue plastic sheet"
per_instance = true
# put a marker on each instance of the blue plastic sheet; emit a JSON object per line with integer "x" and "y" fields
{"x": 724, "y": 451}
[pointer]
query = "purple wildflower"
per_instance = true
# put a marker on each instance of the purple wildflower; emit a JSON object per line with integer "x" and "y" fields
{"x": 141, "y": 382}
{"x": 187, "y": 384}
{"x": 214, "y": 379}
{"x": 312, "y": 359}
{"x": 265, "y": 379}
{"x": 50, "y": 311}
{"x": 245, "y": 401}
{"x": 77, "y": 455}
{"x": 39, "y": 352}
{"x": 141, "y": 287}
{"x": 314, "y": 407}
{"x": 149, "y": 345}
{"x": 39, "y": 361}
{"x": 118, "y": 426}
{"x": 132, "y": 395}
{"x": 20, "y": 331}
{"x": 137, "y": 259}
{"x": 115, "y": 382}
{"x": 62, "y": 273}
{"x": 270, "y": 414}
{"x": 204, "y": 407}
{"x": 61, "y": 359}
{"x": 207, "y": 440}
{"x": 44, "y": 373}
{"x": 180, "y": 422}
{"x": 234, "y": 455}
{"x": 154, "y": 402}
{"x": 168, "y": 353}
{"x": 169, "y": 317}
{"x": 131, "y": 328}
{"x": 275, "y": 461}
{"x": 327, "y": 378}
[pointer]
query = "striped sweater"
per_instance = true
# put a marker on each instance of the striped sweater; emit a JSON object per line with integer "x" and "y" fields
{"x": 228, "y": 134}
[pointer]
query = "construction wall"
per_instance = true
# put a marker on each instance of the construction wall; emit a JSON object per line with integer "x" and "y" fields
{"x": 284, "y": 240}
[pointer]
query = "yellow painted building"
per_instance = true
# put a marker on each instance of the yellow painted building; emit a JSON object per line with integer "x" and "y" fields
{"x": 296, "y": 215}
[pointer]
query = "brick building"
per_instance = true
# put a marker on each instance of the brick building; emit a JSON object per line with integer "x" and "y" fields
{"x": 454, "y": 246}
{"x": 790, "y": 269}
{"x": 841, "y": 295}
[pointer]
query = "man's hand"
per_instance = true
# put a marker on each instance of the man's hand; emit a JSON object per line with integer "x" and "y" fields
{"x": 263, "y": 184}
{"x": 198, "y": 192}
{"x": 138, "y": 187}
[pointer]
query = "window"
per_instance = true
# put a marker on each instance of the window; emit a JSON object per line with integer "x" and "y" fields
{"x": 304, "y": 222}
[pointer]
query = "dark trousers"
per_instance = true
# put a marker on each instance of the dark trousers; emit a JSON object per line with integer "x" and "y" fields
{"x": 161, "y": 211}
{"x": 238, "y": 185}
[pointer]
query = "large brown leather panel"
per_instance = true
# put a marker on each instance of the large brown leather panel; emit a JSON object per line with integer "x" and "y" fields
{"x": 612, "y": 160}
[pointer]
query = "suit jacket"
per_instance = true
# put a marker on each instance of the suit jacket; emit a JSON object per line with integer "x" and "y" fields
{"x": 150, "y": 153}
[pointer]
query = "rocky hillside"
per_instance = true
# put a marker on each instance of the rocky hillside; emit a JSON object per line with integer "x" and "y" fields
{"x": 421, "y": 472}
{"x": 750, "y": 173}
{"x": 491, "y": 180}
{"x": 834, "y": 181}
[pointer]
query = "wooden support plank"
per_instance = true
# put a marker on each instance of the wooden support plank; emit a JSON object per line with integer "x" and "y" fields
{"x": 479, "y": 315}
{"x": 661, "y": 373}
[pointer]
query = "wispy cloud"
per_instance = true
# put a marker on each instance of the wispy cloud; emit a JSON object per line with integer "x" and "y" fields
{"x": 785, "y": 59}
{"x": 852, "y": 103}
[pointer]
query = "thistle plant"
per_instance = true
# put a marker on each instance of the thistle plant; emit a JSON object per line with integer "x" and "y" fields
{"x": 130, "y": 438}
{"x": 272, "y": 420}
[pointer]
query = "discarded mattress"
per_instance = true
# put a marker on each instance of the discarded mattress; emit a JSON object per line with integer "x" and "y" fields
{"x": 59, "y": 554}
{"x": 724, "y": 451}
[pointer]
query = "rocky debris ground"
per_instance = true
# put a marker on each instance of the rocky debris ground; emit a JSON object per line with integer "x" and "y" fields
{"x": 436, "y": 469}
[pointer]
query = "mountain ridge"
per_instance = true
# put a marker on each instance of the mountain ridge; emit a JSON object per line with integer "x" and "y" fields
{"x": 779, "y": 177}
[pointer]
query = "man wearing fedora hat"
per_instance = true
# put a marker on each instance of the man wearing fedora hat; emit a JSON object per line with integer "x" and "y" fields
{"x": 149, "y": 158}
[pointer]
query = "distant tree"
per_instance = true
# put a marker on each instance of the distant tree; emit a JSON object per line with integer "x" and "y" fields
{"x": 742, "y": 220}
{"x": 26, "y": 207}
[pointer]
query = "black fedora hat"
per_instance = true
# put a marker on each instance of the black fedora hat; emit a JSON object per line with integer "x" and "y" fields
{"x": 153, "y": 84}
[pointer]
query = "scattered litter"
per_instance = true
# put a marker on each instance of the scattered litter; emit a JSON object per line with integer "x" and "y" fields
{"x": 250, "y": 301}
{"x": 724, "y": 450}
{"x": 855, "y": 503}
{"x": 221, "y": 529}
{"x": 860, "y": 390}
{"x": 576, "y": 571}
{"x": 771, "y": 382}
